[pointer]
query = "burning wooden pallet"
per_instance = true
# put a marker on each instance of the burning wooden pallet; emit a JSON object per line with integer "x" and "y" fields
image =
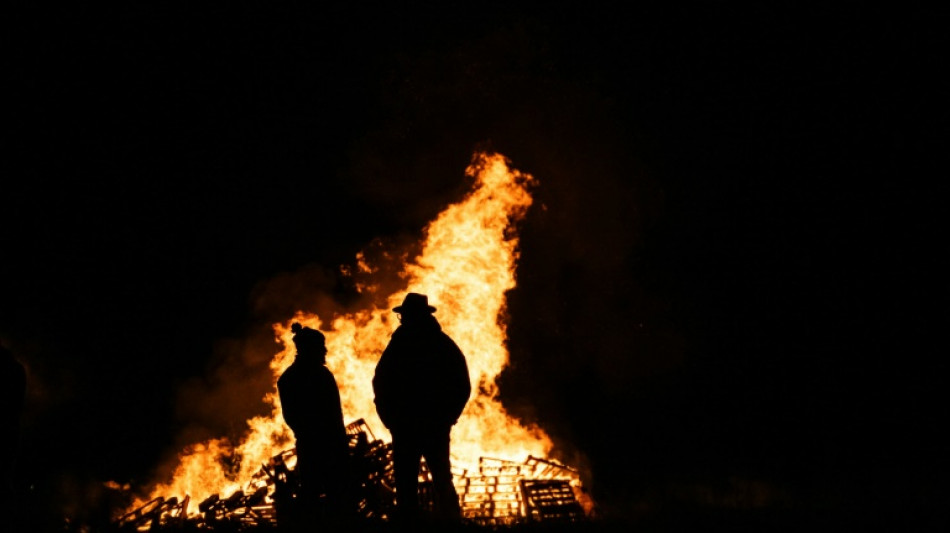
{"x": 496, "y": 494}
{"x": 499, "y": 492}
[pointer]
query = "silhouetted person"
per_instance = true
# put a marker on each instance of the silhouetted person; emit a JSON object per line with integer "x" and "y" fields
{"x": 421, "y": 386}
{"x": 310, "y": 401}
{"x": 14, "y": 395}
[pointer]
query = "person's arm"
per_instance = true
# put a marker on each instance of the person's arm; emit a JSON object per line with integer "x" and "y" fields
{"x": 382, "y": 386}
{"x": 461, "y": 381}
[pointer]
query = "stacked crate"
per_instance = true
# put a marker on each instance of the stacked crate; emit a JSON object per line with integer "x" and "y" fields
{"x": 550, "y": 500}
{"x": 491, "y": 496}
{"x": 504, "y": 492}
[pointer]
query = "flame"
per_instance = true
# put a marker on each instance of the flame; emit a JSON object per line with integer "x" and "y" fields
{"x": 466, "y": 267}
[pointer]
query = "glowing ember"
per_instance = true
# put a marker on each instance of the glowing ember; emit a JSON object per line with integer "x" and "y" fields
{"x": 466, "y": 266}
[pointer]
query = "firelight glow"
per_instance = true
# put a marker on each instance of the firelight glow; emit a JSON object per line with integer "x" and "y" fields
{"x": 466, "y": 266}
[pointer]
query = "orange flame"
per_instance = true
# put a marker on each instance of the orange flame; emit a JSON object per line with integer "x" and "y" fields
{"x": 466, "y": 266}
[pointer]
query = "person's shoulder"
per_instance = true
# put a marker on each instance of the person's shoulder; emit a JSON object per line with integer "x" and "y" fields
{"x": 401, "y": 332}
{"x": 327, "y": 376}
{"x": 288, "y": 375}
{"x": 443, "y": 335}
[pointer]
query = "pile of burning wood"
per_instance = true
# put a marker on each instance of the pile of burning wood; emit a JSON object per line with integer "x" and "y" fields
{"x": 500, "y": 492}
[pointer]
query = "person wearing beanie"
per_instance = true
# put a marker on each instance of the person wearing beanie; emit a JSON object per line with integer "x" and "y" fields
{"x": 310, "y": 401}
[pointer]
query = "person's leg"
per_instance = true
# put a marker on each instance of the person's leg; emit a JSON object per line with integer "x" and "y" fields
{"x": 406, "y": 458}
{"x": 445, "y": 499}
{"x": 306, "y": 507}
{"x": 327, "y": 471}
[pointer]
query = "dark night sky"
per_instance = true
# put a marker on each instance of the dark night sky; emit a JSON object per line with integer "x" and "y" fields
{"x": 732, "y": 268}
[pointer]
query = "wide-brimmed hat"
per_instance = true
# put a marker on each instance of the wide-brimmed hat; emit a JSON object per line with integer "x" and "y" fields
{"x": 414, "y": 303}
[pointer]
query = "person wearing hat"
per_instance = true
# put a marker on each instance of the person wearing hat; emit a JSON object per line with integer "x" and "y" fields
{"x": 310, "y": 402}
{"x": 421, "y": 386}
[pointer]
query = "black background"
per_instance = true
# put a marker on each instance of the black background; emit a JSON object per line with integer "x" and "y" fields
{"x": 732, "y": 270}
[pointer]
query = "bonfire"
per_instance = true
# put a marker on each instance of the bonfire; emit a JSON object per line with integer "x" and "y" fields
{"x": 503, "y": 472}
